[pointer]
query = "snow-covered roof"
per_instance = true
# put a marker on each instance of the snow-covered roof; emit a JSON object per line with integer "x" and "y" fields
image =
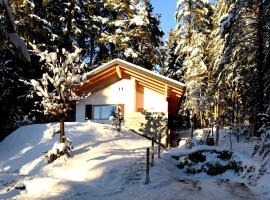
{"x": 137, "y": 68}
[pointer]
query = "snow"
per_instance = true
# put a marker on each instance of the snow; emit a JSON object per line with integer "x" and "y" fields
{"x": 130, "y": 53}
{"x": 138, "y": 20}
{"x": 108, "y": 165}
{"x": 45, "y": 22}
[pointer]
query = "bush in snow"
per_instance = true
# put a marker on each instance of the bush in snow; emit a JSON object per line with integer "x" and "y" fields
{"x": 209, "y": 161}
{"x": 59, "y": 149}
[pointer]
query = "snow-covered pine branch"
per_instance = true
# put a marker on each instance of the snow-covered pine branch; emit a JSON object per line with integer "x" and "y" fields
{"x": 9, "y": 32}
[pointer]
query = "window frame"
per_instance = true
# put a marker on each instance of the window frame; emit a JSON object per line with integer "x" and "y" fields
{"x": 100, "y": 112}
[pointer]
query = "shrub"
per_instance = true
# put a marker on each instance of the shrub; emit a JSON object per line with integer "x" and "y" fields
{"x": 58, "y": 150}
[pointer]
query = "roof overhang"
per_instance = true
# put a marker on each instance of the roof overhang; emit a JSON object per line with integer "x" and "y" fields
{"x": 119, "y": 69}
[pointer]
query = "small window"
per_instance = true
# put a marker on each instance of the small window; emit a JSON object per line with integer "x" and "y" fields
{"x": 103, "y": 111}
{"x": 88, "y": 112}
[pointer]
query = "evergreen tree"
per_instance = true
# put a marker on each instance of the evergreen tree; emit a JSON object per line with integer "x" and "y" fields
{"x": 8, "y": 31}
{"x": 14, "y": 59}
{"x": 243, "y": 27}
{"x": 149, "y": 53}
{"x": 266, "y": 68}
{"x": 92, "y": 21}
{"x": 193, "y": 27}
{"x": 215, "y": 87}
{"x": 132, "y": 32}
{"x": 172, "y": 63}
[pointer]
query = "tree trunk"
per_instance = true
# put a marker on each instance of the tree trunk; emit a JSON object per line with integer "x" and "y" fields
{"x": 69, "y": 17}
{"x": 62, "y": 130}
{"x": 260, "y": 58}
{"x": 192, "y": 123}
{"x": 217, "y": 135}
{"x": 189, "y": 22}
{"x": 217, "y": 118}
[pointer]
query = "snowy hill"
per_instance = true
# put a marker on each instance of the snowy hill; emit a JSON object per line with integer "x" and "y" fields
{"x": 105, "y": 165}
{"x": 101, "y": 157}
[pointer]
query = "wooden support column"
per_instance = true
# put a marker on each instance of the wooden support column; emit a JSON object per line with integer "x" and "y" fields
{"x": 118, "y": 71}
{"x": 134, "y": 85}
{"x": 166, "y": 92}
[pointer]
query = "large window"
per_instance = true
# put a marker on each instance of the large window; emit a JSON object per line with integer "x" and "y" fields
{"x": 103, "y": 111}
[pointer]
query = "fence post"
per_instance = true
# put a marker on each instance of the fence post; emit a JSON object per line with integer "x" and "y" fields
{"x": 153, "y": 152}
{"x": 169, "y": 138}
{"x": 147, "y": 178}
{"x": 159, "y": 141}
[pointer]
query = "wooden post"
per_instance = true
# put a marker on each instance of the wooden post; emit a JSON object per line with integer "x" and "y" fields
{"x": 217, "y": 135}
{"x": 230, "y": 138}
{"x": 147, "y": 176}
{"x": 62, "y": 130}
{"x": 152, "y": 153}
{"x": 169, "y": 138}
{"x": 159, "y": 140}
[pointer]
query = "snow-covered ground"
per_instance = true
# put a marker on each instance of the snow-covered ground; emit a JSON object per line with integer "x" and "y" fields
{"x": 105, "y": 165}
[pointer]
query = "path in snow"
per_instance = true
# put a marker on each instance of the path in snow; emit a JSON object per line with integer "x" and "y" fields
{"x": 105, "y": 166}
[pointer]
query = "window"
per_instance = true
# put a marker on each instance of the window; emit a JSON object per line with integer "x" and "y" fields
{"x": 88, "y": 112}
{"x": 103, "y": 111}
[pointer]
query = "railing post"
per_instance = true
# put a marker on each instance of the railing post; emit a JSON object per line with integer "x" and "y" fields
{"x": 152, "y": 152}
{"x": 169, "y": 139}
{"x": 147, "y": 178}
{"x": 159, "y": 140}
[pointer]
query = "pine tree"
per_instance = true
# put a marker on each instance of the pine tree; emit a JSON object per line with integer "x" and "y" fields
{"x": 266, "y": 68}
{"x": 193, "y": 27}
{"x": 151, "y": 39}
{"x": 14, "y": 59}
{"x": 243, "y": 28}
{"x": 216, "y": 88}
{"x": 172, "y": 63}
{"x": 92, "y": 20}
{"x": 8, "y": 31}
{"x": 132, "y": 32}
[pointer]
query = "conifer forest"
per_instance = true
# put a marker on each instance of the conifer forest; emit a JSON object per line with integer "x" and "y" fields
{"x": 218, "y": 52}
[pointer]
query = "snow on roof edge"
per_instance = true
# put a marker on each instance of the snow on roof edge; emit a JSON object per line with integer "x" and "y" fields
{"x": 126, "y": 64}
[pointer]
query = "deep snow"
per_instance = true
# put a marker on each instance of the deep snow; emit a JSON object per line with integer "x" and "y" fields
{"x": 105, "y": 165}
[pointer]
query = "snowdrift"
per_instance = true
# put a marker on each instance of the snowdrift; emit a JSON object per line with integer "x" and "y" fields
{"x": 107, "y": 165}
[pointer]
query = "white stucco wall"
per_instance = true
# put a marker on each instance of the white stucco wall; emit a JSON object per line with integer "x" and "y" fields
{"x": 154, "y": 102}
{"x": 121, "y": 92}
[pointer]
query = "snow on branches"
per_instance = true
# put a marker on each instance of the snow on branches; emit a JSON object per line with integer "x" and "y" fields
{"x": 9, "y": 31}
{"x": 58, "y": 150}
{"x": 128, "y": 25}
{"x": 62, "y": 72}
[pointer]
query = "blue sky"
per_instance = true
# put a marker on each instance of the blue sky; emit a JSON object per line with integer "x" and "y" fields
{"x": 167, "y": 9}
